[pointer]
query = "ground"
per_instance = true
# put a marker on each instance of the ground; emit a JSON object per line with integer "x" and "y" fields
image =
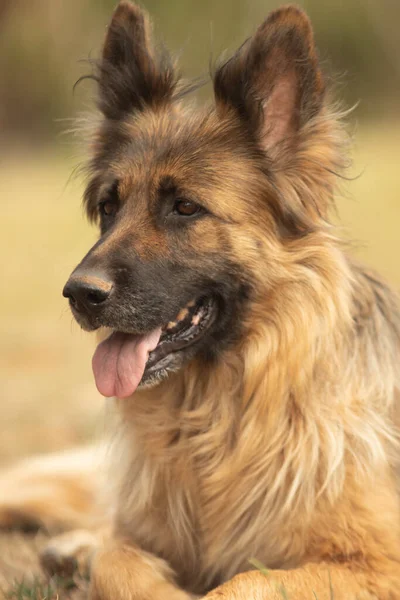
{"x": 48, "y": 399}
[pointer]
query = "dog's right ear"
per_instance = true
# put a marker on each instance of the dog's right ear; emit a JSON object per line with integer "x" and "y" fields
{"x": 132, "y": 74}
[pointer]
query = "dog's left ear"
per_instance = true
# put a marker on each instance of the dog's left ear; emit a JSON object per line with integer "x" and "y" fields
{"x": 273, "y": 84}
{"x": 133, "y": 75}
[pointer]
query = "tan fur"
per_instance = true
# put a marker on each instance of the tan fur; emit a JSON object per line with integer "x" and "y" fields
{"x": 312, "y": 463}
{"x": 285, "y": 448}
{"x": 56, "y": 492}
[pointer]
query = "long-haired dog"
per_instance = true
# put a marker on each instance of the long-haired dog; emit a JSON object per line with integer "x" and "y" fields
{"x": 255, "y": 365}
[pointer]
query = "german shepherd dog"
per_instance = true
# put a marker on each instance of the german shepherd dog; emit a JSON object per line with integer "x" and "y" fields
{"x": 255, "y": 365}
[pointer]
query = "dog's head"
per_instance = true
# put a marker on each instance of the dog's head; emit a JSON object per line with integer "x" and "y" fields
{"x": 192, "y": 209}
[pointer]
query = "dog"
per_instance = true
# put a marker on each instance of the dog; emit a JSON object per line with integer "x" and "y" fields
{"x": 254, "y": 364}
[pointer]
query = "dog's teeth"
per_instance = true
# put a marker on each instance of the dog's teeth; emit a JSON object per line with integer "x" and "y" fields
{"x": 182, "y": 314}
{"x": 195, "y": 319}
{"x": 171, "y": 325}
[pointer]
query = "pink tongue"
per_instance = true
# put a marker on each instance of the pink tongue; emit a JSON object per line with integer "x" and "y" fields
{"x": 119, "y": 362}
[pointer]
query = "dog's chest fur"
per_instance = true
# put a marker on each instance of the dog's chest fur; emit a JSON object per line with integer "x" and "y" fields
{"x": 201, "y": 515}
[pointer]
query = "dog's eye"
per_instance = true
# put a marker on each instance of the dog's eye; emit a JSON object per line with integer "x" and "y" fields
{"x": 107, "y": 208}
{"x": 186, "y": 208}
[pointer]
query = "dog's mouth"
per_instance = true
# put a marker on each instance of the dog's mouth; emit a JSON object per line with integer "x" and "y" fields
{"x": 124, "y": 361}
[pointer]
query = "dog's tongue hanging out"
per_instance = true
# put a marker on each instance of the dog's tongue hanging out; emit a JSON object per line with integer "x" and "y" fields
{"x": 119, "y": 362}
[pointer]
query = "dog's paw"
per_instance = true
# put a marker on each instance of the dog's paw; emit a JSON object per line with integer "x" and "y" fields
{"x": 69, "y": 553}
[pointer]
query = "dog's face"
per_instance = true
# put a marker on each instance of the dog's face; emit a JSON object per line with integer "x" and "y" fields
{"x": 185, "y": 200}
{"x": 165, "y": 257}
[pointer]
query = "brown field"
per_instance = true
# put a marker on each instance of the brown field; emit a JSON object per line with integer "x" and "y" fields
{"x": 48, "y": 398}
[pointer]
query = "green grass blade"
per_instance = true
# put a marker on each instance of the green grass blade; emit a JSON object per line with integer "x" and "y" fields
{"x": 259, "y": 566}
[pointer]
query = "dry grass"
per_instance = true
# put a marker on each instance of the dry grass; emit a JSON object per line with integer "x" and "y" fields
{"x": 48, "y": 398}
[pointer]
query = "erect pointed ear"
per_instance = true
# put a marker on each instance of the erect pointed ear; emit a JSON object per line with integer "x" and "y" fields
{"x": 132, "y": 74}
{"x": 273, "y": 83}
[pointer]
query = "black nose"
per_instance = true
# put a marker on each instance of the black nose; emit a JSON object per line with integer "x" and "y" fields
{"x": 86, "y": 291}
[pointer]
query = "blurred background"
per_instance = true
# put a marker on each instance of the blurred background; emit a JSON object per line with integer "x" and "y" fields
{"x": 48, "y": 398}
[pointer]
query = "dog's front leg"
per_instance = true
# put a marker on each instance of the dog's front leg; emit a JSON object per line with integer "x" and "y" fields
{"x": 121, "y": 571}
{"x": 320, "y": 581}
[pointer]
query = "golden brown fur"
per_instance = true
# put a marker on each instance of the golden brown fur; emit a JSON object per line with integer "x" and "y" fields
{"x": 285, "y": 448}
